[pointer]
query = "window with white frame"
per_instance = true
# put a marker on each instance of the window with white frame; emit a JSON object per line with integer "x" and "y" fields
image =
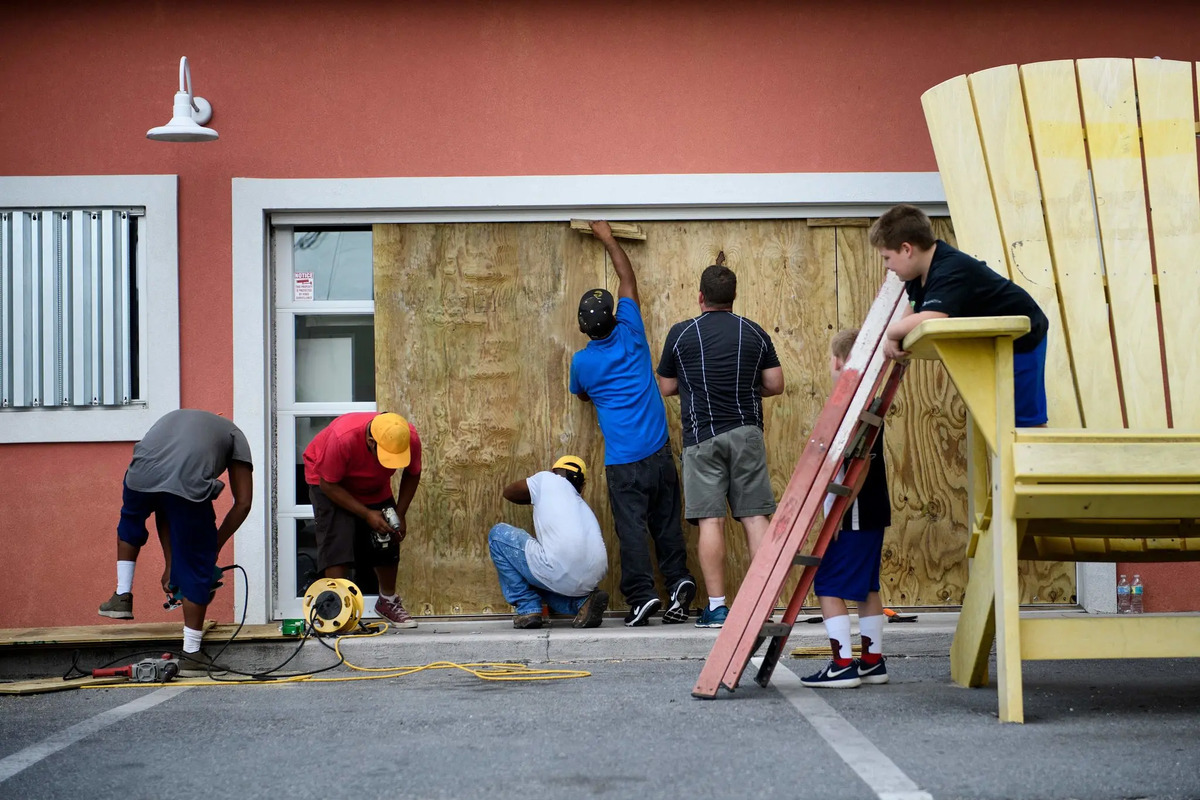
{"x": 324, "y": 319}
{"x": 89, "y": 317}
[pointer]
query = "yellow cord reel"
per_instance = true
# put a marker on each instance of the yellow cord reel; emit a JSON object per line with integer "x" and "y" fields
{"x": 332, "y": 605}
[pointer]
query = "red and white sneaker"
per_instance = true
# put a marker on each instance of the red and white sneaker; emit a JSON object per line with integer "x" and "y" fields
{"x": 393, "y": 611}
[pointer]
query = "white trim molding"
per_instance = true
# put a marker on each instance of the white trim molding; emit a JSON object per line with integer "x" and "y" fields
{"x": 158, "y": 340}
{"x": 259, "y": 203}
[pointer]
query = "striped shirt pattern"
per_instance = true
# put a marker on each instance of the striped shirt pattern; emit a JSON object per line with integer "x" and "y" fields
{"x": 718, "y": 359}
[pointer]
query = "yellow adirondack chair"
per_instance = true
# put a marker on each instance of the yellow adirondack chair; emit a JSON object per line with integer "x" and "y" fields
{"x": 1077, "y": 179}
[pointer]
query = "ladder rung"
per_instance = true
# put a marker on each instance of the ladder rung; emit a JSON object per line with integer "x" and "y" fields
{"x": 874, "y": 420}
{"x": 806, "y": 561}
{"x": 773, "y": 629}
{"x": 839, "y": 489}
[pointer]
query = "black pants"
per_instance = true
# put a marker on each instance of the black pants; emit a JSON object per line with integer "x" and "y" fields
{"x": 644, "y": 497}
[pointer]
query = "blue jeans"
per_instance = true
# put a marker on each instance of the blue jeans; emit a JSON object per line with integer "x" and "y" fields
{"x": 525, "y": 593}
{"x": 1029, "y": 387}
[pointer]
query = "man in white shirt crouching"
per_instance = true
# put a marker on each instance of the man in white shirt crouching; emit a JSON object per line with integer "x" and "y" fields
{"x": 564, "y": 564}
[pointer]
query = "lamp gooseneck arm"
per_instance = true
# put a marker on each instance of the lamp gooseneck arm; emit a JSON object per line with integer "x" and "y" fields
{"x": 185, "y": 81}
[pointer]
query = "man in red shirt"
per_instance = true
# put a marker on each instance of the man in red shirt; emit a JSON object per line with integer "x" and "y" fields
{"x": 348, "y": 468}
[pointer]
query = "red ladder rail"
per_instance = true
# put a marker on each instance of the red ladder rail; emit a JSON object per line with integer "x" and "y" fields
{"x": 857, "y": 462}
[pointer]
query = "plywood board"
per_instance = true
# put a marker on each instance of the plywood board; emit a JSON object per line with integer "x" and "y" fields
{"x": 474, "y": 328}
{"x": 786, "y": 284}
{"x": 1109, "y": 106}
{"x": 1056, "y": 128}
{"x": 1167, "y": 110}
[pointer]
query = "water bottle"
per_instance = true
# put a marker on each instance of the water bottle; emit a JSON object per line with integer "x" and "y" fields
{"x": 1123, "y": 596}
{"x": 1136, "y": 590}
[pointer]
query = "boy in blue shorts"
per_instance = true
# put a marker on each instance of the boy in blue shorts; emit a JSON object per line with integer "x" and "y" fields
{"x": 944, "y": 282}
{"x": 850, "y": 567}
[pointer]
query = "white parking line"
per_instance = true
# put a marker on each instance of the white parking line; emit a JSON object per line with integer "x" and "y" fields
{"x": 878, "y": 771}
{"x": 23, "y": 759}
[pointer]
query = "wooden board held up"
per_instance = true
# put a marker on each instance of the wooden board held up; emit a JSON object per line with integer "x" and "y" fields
{"x": 620, "y": 230}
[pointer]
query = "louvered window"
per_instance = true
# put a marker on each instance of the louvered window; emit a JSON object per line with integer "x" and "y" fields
{"x": 68, "y": 307}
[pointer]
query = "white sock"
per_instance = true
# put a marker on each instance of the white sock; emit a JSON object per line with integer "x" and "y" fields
{"x": 871, "y": 630}
{"x": 838, "y": 630}
{"x": 391, "y": 598}
{"x": 191, "y": 639}
{"x": 125, "y": 576}
{"x": 716, "y": 602}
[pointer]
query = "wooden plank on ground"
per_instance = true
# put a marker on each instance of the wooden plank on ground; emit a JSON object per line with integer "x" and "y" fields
{"x": 1166, "y": 100}
{"x": 1055, "y": 125}
{"x": 248, "y": 633}
{"x": 43, "y": 685}
{"x": 1110, "y": 116}
{"x": 1000, "y": 108}
{"x": 94, "y": 634}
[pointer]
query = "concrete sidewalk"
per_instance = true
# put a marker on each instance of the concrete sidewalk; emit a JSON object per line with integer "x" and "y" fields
{"x": 497, "y": 640}
{"x": 483, "y": 640}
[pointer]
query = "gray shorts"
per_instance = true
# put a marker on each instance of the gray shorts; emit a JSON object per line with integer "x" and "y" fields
{"x": 731, "y": 465}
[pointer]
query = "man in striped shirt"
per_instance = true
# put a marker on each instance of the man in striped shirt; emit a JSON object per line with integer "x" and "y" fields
{"x": 721, "y": 365}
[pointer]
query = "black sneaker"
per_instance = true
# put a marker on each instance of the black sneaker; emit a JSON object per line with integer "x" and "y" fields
{"x": 834, "y": 677}
{"x": 640, "y": 614}
{"x": 681, "y": 601}
{"x": 591, "y": 613}
{"x": 872, "y": 673}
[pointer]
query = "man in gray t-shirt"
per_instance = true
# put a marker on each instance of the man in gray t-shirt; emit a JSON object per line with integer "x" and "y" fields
{"x": 175, "y": 475}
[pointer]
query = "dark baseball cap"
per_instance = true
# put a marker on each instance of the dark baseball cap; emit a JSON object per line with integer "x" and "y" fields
{"x": 596, "y": 313}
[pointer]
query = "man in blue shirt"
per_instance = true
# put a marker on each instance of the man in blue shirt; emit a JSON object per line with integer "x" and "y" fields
{"x": 615, "y": 373}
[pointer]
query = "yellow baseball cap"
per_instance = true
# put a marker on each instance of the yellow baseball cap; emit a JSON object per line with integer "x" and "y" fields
{"x": 572, "y": 464}
{"x": 390, "y": 432}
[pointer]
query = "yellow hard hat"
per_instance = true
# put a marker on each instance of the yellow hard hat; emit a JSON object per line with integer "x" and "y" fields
{"x": 572, "y": 464}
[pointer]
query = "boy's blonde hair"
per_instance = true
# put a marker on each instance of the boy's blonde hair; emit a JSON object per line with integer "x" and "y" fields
{"x": 843, "y": 342}
{"x": 900, "y": 224}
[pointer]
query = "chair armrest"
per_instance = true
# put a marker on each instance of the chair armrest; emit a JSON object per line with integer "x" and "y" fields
{"x": 921, "y": 340}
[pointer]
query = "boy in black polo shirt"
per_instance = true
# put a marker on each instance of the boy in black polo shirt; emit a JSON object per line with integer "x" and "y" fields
{"x": 850, "y": 567}
{"x": 944, "y": 282}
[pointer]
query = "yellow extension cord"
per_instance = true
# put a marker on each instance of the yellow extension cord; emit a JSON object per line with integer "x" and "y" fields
{"x": 484, "y": 671}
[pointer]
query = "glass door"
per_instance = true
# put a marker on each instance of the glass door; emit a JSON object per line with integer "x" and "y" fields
{"x": 324, "y": 356}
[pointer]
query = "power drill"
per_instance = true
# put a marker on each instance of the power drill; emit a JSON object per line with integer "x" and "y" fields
{"x": 175, "y": 598}
{"x": 148, "y": 670}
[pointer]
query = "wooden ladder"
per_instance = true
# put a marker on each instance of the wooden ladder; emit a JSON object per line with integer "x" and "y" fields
{"x": 843, "y": 435}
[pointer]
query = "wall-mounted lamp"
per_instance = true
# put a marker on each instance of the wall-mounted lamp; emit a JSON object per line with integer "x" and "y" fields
{"x": 190, "y": 116}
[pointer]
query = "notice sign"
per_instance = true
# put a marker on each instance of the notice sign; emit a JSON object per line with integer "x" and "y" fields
{"x": 303, "y": 286}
